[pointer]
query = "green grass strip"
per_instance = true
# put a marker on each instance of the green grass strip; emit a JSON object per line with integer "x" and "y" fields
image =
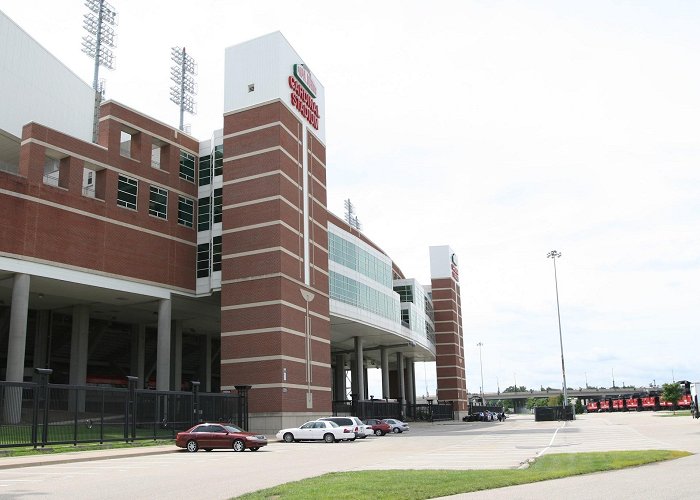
{"x": 65, "y": 448}
{"x": 420, "y": 484}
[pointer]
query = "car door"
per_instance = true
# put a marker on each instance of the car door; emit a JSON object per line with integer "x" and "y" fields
{"x": 306, "y": 431}
{"x": 218, "y": 437}
{"x": 202, "y": 435}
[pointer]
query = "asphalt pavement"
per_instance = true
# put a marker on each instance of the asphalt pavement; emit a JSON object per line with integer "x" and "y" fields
{"x": 165, "y": 471}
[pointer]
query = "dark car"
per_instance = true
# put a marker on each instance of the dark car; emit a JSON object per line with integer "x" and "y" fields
{"x": 379, "y": 426}
{"x": 210, "y": 436}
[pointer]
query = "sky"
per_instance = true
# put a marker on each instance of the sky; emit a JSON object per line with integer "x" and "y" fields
{"x": 505, "y": 129}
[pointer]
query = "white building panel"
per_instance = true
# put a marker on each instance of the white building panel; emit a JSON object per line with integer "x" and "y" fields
{"x": 443, "y": 263}
{"x": 258, "y": 71}
{"x": 35, "y": 86}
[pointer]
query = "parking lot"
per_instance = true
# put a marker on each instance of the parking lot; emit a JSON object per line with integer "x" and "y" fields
{"x": 456, "y": 445}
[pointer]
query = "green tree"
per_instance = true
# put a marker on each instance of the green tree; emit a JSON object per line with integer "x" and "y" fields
{"x": 535, "y": 402}
{"x": 672, "y": 393}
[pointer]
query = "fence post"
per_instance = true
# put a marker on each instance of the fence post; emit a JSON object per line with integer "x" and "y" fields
{"x": 243, "y": 405}
{"x": 195, "y": 402}
{"x": 131, "y": 414}
{"x": 44, "y": 391}
{"x": 430, "y": 408}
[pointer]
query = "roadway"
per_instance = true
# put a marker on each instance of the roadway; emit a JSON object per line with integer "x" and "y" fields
{"x": 475, "y": 445}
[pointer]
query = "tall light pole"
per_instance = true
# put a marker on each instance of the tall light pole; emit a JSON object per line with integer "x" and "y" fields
{"x": 308, "y": 297}
{"x": 481, "y": 367}
{"x": 554, "y": 255}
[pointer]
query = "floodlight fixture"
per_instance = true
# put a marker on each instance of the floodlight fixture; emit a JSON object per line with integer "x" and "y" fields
{"x": 182, "y": 74}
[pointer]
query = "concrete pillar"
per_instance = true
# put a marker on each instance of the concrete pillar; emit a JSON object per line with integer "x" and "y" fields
{"x": 18, "y": 329}
{"x": 358, "y": 378}
{"x": 400, "y": 377}
{"x": 410, "y": 379}
{"x": 138, "y": 354}
{"x": 77, "y": 373}
{"x": 79, "y": 345}
{"x": 41, "y": 341}
{"x": 205, "y": 363}
{"x": 176, "y": 356}
{"x": 163, "y": 351}
{"x": 385, "y": 373}
{"x": 12, "y": 404}
{"x": 340, "y": 388}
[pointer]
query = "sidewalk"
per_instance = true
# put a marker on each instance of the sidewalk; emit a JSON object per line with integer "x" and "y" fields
{"x": 84, "y": 456}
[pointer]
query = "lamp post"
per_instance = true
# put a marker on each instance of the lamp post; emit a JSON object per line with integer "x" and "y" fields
{"x": 481, "y": 367}
{"x": 308, "y": 297}
{"x": 554, "y": 255}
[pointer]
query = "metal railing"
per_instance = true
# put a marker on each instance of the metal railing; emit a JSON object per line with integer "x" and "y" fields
{"x": 40, "y": 414}
{"x": 383, "y": 408}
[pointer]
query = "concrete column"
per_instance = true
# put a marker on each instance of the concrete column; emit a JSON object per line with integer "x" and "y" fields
{"x": 12, "y": 404}
{"x": 385, "y": 373}
{"x": 18, "y": 329}
{"x": 163, "y": 351}
{"x": 205, "y": 363}
{"x": 400, "y": 377}
{"x": 79, "y": 345}
{"x": 358, "y": 379}
{"x": 138, "y": 354}
{"x": 340, "y": 388}
{"x": 410, "y": 376}
{"x": 176, "y": 356}
{"x": 41, "y": 341}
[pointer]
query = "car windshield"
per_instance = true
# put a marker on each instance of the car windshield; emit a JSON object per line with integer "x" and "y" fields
{"x": 231, "y": 428}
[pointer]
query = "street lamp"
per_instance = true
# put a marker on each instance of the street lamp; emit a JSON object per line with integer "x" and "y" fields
{"x": 308, "y": 297}
{"x": 481, "y": 367}
{"x": 554, "y": 255}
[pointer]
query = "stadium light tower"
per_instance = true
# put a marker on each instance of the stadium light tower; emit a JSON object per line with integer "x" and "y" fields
{"x": 184, "y": 90}
{"x": 99, "y": 23}
{"x": 554, "y": 255}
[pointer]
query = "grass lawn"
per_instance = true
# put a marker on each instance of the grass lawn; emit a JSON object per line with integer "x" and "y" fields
{"x": 63, "y": 448}
{"x": 419, "y": 484}
{"x": 678, "y": 413}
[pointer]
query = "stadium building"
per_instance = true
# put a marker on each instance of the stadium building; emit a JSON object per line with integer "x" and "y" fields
{"x": 154, "y": 254}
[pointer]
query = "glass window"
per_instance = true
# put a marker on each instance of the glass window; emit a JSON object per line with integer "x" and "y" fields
{"x": 216, "y": 253}
{"x": 127, "y": 192}
{"x": 158, "y": 202}
{"x": 203, "y": 260}
{"x": 218, "y": 203}
{"x": 219, "y": 160}
{"x": 185, "y": 211}
{"x": 186, "y": 166}
{"x": 205, "y": 170}
{"x": 203, "y": 214}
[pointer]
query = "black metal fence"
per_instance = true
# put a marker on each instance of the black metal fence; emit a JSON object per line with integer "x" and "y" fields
{"x": 548, "y": 413}
{"x": 45, "y": 414}
{"x": 382, "y": 408}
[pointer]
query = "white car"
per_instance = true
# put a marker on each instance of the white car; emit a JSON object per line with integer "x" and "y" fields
{"x": 397, "y": 426}
{"x": 316, "y": 430}
{"x": 360, "y": 429}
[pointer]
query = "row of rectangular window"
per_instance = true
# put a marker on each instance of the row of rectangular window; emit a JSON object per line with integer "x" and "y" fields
{"x": 205, "y": 215}
{"x": 204, "y": 259}
{"x": 351, "y": 256}
{"x": 127, "y": 196}
{"x": 205, "y": 165}
{"x": 360, "y": 295}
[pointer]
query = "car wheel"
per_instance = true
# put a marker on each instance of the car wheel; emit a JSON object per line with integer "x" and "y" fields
{"x": 328, "y": 437}
{"x": 353, "y": 439}
{"x": 238, "y": 445}
{"x": 395, "y": 430}
{"x": 254, "y": 449}
{"x": 288, "y": 437}
{"x": 377, "y": 432}
{"x": 192, "y": 446}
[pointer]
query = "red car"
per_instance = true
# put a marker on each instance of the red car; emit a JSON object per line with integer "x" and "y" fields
{"x": 210, "y": 436}
{"x": 379, "y": 427}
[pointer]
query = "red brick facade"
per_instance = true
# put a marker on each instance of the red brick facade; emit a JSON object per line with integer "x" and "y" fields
{"x": 263, "y": 314}
{"x": 451, "y": 377}
{"x": 59, "y": 225}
